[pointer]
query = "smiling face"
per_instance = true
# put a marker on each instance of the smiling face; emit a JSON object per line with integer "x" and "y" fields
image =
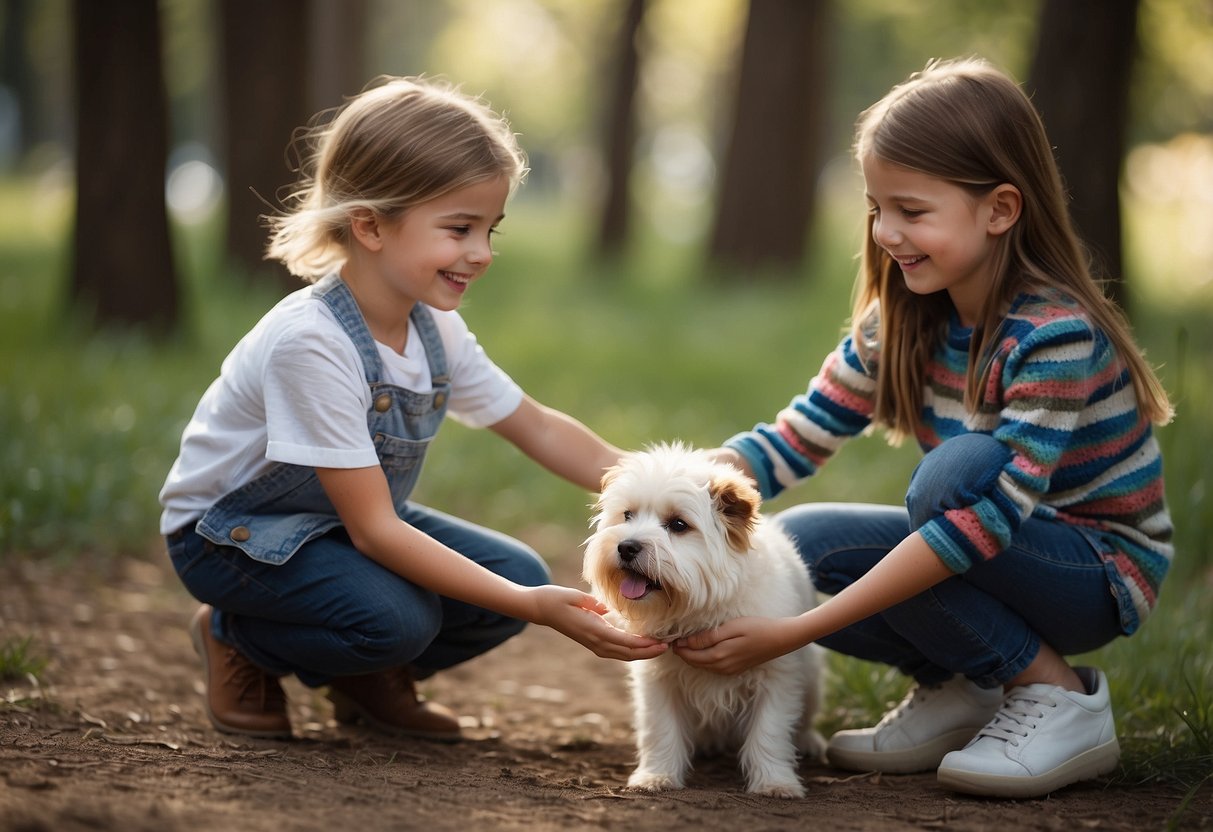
{"x": 942, "y": 236}
{"x": 429, "y": 253}
{"x": 435, "y": 250}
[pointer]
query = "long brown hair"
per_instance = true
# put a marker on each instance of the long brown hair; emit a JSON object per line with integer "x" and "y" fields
{"x": 968, "y": 123}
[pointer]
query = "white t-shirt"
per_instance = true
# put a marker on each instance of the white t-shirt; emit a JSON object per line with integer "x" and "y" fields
{"x": 293, "y": 390}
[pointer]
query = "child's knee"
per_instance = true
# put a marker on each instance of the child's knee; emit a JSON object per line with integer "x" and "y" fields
{"x": 394, "y": 635}
{"x": 526, "y": 568}
{"x": 953, "y": 474}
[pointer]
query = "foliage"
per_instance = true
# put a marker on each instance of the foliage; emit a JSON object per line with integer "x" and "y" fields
{"x": 540, "y": 60}
{"x": 20, "y": 659}
{"x": 91, "y": 424}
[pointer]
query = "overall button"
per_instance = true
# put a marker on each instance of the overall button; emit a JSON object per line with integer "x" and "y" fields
{"x": 383, "y": 403}
{"x": 439, "y": 400}
{"x": 240, "y": 534}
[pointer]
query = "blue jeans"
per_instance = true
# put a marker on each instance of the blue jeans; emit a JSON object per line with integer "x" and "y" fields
{"x": 988, "y": 623}
{"x": 332, "y": 611}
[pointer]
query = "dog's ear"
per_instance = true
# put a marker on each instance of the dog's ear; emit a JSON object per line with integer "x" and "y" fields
{"x": 608, "y": 477}
{"x": 737, "y": 502}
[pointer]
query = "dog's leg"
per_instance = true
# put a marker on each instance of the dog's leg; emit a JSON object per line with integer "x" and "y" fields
{"x": 768, "y": 754}
{"x": 662, "y": 739}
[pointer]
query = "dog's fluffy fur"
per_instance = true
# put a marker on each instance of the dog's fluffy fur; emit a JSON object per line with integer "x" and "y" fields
{"x": 679, "y": 547}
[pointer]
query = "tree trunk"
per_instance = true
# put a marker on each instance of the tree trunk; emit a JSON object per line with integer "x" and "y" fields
{"x": 619, "y": 132}
{"x": 16, "y": 73}
{"x": 768, "y": 193}
{"x": 338, "y": 52}
{"x": 1080, "y": 83}
{"x": 265, "y": 98}
{"x": 123, "y": 267}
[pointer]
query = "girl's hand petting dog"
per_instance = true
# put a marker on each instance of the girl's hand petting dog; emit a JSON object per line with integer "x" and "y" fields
{"x": 579, "y": 616}
{"x": 739, "y": 645}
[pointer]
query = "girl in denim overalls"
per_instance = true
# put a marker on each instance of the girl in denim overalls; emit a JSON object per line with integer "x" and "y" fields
{"x": 287, "y": 510}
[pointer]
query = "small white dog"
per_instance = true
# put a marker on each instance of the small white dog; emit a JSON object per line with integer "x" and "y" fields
{"x": 679, "y": 546}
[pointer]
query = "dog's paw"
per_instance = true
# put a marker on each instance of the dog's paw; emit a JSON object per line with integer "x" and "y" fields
{"x": 653, "y": 781}
{"x": 783, "y": 789}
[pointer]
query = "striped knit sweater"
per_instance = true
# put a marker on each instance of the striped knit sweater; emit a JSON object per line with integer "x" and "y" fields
{"x": 1059, "y": 397}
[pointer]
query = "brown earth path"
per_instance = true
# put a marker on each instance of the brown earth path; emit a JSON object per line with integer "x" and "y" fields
{"x": 116, "y": 739}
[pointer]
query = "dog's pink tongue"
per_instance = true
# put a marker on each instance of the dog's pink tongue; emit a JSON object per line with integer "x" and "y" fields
{"x": 633, "y": 587}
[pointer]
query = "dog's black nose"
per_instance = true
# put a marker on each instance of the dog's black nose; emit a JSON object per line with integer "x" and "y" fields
{"x": 629, "y": 550}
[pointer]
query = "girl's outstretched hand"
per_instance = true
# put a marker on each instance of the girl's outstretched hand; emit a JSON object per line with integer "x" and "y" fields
{"x": 738, "y": 645}
{"x": 578, "y": 615}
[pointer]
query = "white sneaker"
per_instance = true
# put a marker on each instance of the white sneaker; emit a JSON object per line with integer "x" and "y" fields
{"x": 915, "y": 736}
{"x": 1043, "y": 737}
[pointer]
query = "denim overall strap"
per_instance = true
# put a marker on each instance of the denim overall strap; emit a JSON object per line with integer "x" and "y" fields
{"x": 333, "y": 291}
{"x": 423, "y": 320}
{"x": 272, "y": 516}
{"x": 401, "y": 422}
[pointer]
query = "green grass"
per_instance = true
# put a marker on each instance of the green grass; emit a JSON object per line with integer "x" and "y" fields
{"x": 644, "y": 349}
{"x": 20, "y": 659}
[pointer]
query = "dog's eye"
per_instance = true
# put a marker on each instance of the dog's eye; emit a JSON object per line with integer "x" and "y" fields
{"x": 676, "y": 525}
{"x": 627, "y": 515}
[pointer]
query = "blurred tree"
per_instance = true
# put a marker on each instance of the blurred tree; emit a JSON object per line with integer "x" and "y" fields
{"x": 283, "y": 60}
{"x": 619, "y": 130}
{"x": 265, "y": 98}
{"x": 123, "y": 268}
{"x": 766, "y": 200}
{"x": 338, "y": 51}
{"x": 16, "y": 72}
{"x": 1079, "y": 80}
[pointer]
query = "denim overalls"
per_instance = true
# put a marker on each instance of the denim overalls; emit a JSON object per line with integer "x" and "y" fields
{"x": 288, "y": 588}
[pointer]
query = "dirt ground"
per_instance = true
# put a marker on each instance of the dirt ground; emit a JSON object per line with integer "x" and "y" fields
{"x": 116, "y": 738}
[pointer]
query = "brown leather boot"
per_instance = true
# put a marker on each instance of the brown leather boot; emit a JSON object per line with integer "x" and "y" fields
{"x": 241, "y": 698}
{"x": 388, "y": 701}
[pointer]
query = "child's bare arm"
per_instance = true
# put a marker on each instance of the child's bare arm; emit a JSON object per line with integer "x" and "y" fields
{"x": 559, "y": 443}
{"x": 364, "y": 504}
{"x": 737, "y": 645}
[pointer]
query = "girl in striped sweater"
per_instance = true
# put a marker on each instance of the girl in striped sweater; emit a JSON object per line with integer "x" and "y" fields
{"x": 1035, "y": 525}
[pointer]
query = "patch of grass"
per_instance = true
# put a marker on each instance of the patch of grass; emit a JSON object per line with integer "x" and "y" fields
{"x": 858, "y": 693}
{"x": 20, "y": 659}
{"x": 92, "y": 420}
{"x": 1162, "y": 692}
{"x": 1179, "y": 750}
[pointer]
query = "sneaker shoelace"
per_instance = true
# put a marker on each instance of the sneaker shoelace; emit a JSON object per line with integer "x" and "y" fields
{"x": 1017, "y": 717}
